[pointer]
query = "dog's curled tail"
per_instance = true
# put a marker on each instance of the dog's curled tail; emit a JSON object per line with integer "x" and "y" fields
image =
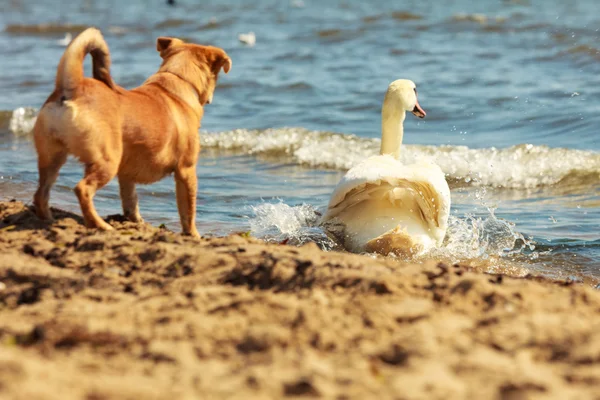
{"x": 69, "y": 75}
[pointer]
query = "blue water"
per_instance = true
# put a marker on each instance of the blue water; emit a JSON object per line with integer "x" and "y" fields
{"x": 511, "y": 90}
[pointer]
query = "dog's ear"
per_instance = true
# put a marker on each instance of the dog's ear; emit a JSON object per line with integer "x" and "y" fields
{"x": 226, "y": 63}
{"x": 166, "y": 43}
{"x": 220, "y": 59}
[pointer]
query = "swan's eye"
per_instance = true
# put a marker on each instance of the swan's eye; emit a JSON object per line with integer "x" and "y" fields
{"x": 415, "y": 89}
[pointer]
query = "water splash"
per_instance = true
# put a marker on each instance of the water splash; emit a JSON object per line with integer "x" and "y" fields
{"x": 493, "y": 242}
{"x": 472, "y": 237}
{"x": 282, "y": 223}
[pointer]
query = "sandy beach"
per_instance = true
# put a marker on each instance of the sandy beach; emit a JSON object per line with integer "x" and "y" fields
{"x": 141, "y": 312}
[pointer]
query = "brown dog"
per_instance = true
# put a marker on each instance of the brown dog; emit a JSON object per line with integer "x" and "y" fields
{"x": 140, "y": 135}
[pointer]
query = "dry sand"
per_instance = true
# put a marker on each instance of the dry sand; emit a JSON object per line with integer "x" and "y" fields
{"x": 143, "y": 313}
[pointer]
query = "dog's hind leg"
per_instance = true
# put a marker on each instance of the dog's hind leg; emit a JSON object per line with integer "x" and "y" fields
{"x": 96, "y": 176}
{"x": 129, "y": 200}
{"x": 51, "y": 156}
{"x": 186, "y": 185}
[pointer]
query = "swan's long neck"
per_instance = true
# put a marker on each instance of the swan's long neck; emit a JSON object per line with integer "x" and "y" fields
{"x": 392, "y": 128}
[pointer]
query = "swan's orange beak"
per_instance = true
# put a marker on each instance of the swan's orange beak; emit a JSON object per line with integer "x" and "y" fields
{"x": 418, "y": 111}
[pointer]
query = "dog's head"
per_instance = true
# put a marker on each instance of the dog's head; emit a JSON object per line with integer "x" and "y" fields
{"x": 197, "y": 65}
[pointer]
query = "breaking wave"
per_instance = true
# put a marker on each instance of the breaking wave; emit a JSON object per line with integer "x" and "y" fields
{"x": 20, "y": 121}
{"x": 523, "y": 166}
{"x": 517, "y": 167}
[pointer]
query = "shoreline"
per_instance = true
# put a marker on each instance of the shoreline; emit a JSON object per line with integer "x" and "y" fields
{"x": 141, "y": 312}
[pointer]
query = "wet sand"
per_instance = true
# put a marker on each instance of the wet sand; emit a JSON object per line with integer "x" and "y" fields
{"x": 144, "y": 313}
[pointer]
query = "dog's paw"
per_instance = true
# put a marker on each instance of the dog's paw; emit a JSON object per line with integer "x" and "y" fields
{"x": 100, "y": 225}
{"x": 193, "y": 234}
{"x": 137, "y": 218}
{"x": 44, "y": 215}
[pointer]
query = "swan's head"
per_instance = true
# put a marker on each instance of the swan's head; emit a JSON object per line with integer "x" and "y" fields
{"x": 403, "y": 93}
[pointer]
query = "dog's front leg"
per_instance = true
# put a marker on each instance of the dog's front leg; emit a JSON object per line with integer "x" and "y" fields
{"x": 129, "y": 200}
{"x": 186, "y": 185}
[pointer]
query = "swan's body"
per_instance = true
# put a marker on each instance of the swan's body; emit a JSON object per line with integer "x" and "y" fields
{"x": 386, "y": 207}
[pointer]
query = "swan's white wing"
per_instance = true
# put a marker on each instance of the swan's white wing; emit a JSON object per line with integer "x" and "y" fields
{"x": 387, "y": 184}
{"x": 425, "y": 179}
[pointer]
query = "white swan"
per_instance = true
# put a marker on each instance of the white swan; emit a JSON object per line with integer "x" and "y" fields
{"x": 383, "y": 206}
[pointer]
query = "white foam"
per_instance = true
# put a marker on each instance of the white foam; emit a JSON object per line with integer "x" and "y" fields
{"x": 471, "y": 237}
{"x": 489, "y": 242}
{"x": 277, "y": 222}
{"x": 487, "y": 238}
{"x": 517, "y": 167}
{"x": 22, "y": 120}
{"x": 520, "y": 166}
{"x": 280, "y": 218}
